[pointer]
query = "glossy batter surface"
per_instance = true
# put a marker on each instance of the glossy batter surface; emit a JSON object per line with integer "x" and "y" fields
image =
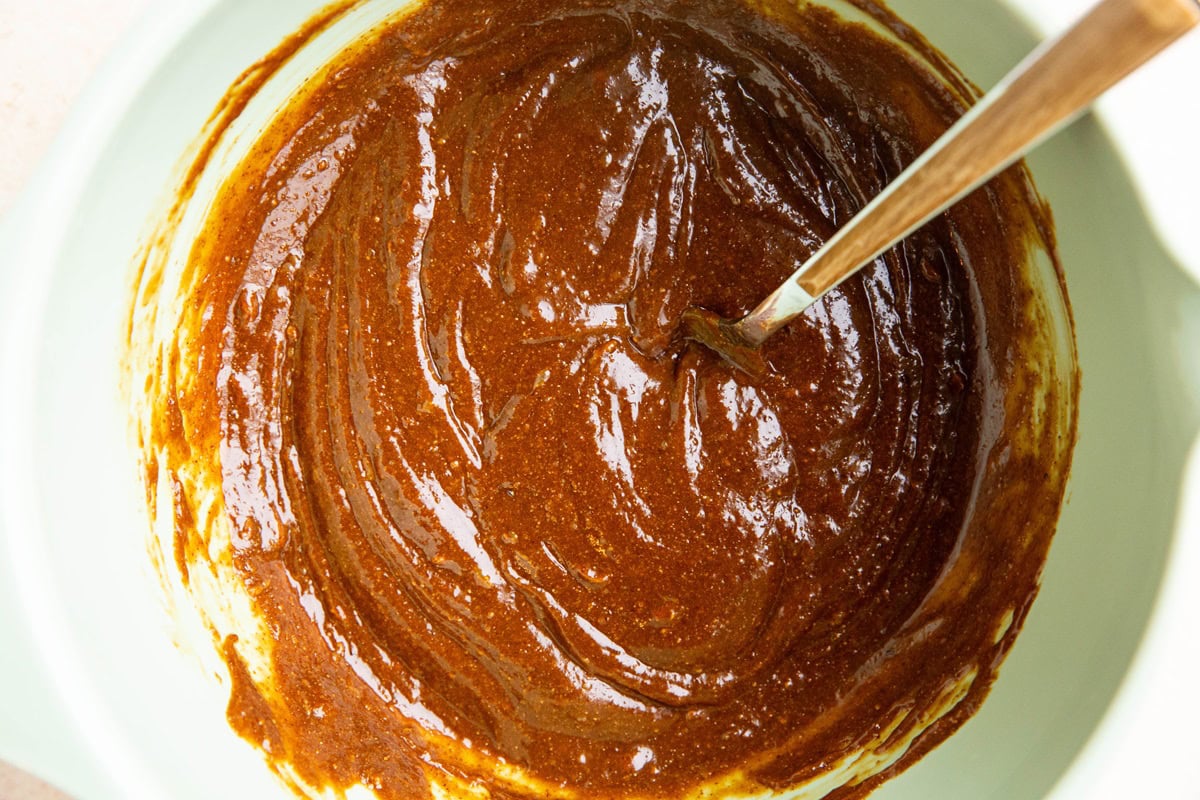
{"x": 495, "y": 514}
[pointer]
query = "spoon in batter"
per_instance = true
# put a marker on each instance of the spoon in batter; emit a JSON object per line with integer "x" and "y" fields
{"x": 1043, "y": 93}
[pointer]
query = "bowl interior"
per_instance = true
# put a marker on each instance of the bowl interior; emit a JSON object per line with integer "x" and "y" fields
{"x": 154, "y": 724}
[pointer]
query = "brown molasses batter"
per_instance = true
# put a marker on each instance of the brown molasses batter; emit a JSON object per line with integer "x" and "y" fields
{"x": 482, "y": 493}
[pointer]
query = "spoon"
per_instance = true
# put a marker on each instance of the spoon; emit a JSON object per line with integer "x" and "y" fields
{"x": 1050, "y": 87}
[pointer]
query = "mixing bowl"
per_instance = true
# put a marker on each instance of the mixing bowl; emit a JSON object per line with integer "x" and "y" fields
{"x": 95, "y": 692}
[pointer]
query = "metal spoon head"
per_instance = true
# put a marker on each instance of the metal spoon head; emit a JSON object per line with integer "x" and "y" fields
{"x": 722, "y": 337}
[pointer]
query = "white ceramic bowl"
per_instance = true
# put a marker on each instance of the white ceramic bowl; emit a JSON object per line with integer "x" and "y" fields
{"x": 95, "y": 696}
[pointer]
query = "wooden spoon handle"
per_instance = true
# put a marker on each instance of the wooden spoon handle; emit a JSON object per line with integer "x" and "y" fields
{"x": 1053, "y": 84}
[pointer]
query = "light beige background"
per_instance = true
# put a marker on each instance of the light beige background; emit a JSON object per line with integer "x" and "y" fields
{"x": 49, "y": 49}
